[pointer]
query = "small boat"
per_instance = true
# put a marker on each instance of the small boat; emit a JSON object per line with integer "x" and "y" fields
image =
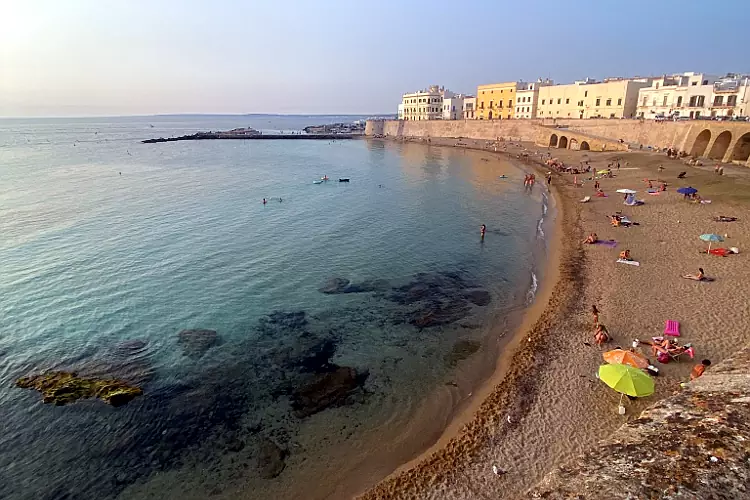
{"x": 344, "y": 180}
{"x": 317, "y": 182}
{"x": 324, "y": 178}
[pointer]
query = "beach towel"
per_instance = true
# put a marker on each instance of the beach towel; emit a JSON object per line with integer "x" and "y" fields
{"x": 630, "y": 262}
{"x": 653, "y": 192}
{"x": 607, "y": 243}
{"x": 601, "y": 195}
{"x": 705, "y": 202}
{"x": 672, "y": 327}
{"x": 586, "y": 199}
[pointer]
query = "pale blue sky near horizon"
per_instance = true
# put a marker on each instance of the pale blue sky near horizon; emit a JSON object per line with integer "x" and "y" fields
{"x": 88, "y": 58}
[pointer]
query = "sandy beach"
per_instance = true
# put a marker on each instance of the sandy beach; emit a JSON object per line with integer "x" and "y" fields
{"x": 544, "y": 404}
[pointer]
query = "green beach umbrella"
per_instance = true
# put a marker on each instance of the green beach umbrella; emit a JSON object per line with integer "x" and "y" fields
{"x": 627, "y": 380}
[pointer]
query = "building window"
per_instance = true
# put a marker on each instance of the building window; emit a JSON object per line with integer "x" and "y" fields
{"x": 719, "y": 100}
{"x": 705, "y": 82}
{"x": 694, "y": 84}
{"x": 679, "y": 101}
{"x": 542, "y": 101}
{"x": 611, "y": 115}
{"x": 732, "y": 100}
{"x": 664, "y": 101}
{"x": 481, "y": 105}
{"x": 585, "y": 93}
{"x": 567, "y": 101}
{"x": 500, "y": 104}
{"x": 510, "y": 103}
{"x": 609, "y": 102}
{"x": 559, "y": 101}
{"x": 645, "y": 101}
{"x": 619, "y": 102}
{"x": 491, "y": 104}
{"x": 701, "y": 100}
{"x": 692, "y": 101}
{"x": 598, "y": 101}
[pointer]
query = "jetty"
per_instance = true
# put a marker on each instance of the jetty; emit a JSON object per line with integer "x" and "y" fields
{"x": 206, "y": 136}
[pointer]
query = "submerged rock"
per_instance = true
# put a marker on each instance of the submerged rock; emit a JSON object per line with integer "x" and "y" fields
{"x": 270, "y": 459}
{"x": 334, "y": 285}
{"x": 325, "y": 390}
{"x": 461, "y": 350}
{"x": 294, "y": 320}
{"x": 195, "y": 343}
{"x": 478, "y": 297}
{"x": 437, "y": 313}
{"x": 62, "y": 388}
{"x": 315, "y": 358}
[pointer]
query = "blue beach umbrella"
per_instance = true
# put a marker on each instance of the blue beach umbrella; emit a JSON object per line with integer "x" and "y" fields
{"x": 711, "y": 238}
{"x": 687, "y": 191}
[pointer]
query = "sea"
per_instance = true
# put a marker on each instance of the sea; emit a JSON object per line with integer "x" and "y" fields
{"x": 297, "y": 348}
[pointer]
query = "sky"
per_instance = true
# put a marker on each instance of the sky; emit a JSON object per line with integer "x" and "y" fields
{"x": 136, "y": 57}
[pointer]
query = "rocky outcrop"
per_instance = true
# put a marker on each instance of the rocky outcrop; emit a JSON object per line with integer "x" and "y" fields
{"x": 270, "y": 459}
{"x": 693, "y": 445}
{"x": 195, "y": 343}
{"x": 478, "y": 297}
{"x": 325, "y": 390}
{"x": 61, "y": 388}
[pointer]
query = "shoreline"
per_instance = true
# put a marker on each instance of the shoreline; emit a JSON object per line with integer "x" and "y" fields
{"x": 557, "y": 407}
{"x": 516, "y": 352}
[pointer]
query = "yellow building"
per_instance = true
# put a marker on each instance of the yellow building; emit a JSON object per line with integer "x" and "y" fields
{"x": 496, "y": 101}
{"x": 612, "y": 98}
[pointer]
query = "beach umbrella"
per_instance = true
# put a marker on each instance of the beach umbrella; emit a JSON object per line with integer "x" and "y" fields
{"x": 621, "y": 357}
{"x": 687, "y": 191}
{"x": 711, "y": 238}
{"x": 627, "y": 380}
{"x": 626, "y": 191}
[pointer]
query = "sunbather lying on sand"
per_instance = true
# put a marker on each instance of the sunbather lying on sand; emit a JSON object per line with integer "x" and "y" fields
{"x": 697, "y": 277}
{"x": 592, "y": 238}
{"x": 625, "y": 255}
{"x": 601, "y": 335}
{"x": 724, "y": 218}
{"x": 721, "y": 252}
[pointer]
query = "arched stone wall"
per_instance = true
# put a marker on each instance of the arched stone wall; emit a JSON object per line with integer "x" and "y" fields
{"x": 741, "y": 150}
{"x": 585, "y": 146}
{"x": 553, "y": 140}
{"x": 720, "y": 146}
{"x": 563, "y": 143}
{"x": 701, "y": 143}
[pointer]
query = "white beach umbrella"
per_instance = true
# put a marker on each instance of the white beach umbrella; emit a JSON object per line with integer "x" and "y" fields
{"x": 626, "y": 191}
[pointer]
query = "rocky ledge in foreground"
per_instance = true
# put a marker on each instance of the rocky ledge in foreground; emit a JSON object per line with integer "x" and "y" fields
{"x": 62, "y": 388}
{"x": 693, "y": 445}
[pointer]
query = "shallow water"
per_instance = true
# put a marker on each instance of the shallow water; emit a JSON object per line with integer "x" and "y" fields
{"x": 106, "y": 241}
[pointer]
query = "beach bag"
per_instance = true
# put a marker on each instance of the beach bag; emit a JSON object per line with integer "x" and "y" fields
{"x": 662, "y": 357}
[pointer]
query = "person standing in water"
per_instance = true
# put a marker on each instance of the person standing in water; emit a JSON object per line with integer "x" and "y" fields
{"x": 264, "y": 201}
{"x": 482, "y": 231}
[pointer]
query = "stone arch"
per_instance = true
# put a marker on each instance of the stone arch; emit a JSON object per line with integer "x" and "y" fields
{"x": 573, "y": 144}
{"x": 741, "y": 151}
{"x": 701, "y": 143}
{"x": 563, "y": 144}
{"x": 721, "y": 144}
{"x": 585, "y": 146}
{"x": 553, "y": 140}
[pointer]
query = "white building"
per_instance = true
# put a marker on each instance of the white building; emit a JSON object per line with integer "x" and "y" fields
{"x": 682, "y": 95}
{"x": 401, "y": 111}
{"x": 453, "y": 107}
{"x": 470, "y": 105}
{"x": 527, "y": 98}
{"x": 425, "y": 104}
{"x": 731, "y": 97}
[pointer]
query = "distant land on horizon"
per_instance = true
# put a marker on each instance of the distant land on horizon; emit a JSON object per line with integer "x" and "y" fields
{"x": 184, "y": 115}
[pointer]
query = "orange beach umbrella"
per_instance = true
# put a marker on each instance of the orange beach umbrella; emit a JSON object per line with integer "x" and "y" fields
{"x": 620, "y": 357}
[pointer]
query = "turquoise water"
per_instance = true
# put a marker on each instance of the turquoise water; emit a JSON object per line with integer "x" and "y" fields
{"x": 106, "y": 241}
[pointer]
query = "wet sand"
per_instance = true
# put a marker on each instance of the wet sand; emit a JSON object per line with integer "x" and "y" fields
{"x": 546, "y": 405}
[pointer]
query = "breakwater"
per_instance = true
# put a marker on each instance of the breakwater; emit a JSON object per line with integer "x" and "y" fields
{"x": 205, "y": 136}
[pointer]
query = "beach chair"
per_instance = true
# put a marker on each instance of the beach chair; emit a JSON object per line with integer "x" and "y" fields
{"x": 687, "y": 349}
{"x": 672, "y": 328}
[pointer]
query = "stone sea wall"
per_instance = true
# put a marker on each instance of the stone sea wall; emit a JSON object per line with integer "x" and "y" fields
{"x": 693, "y": 445}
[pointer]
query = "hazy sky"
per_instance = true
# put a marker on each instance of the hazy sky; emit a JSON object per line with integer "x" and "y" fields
{"x": 80, "y": 57}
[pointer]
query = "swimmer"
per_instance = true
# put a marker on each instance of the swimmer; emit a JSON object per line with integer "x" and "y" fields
{"x": 482, "y": 230}
{"x": 264, "y": 201}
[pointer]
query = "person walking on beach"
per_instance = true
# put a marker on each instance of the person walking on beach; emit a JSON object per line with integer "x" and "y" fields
{"x": 699, "y": 369}
{"x": 549, "y": 178}
{"x": 526, "y": 181}
{"x": 595, "y": 313}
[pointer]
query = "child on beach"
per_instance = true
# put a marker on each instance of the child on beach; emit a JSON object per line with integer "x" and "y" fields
{"x": 601, "y": 335}
{"x": 699, "y": 369}
{"x": 595, "y": 313}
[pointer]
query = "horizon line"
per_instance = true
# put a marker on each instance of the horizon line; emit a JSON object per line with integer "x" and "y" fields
{"x": 157, "y": 115}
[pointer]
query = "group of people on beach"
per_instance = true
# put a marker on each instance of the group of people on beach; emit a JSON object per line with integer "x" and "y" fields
{"x": 528, "y": 181}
